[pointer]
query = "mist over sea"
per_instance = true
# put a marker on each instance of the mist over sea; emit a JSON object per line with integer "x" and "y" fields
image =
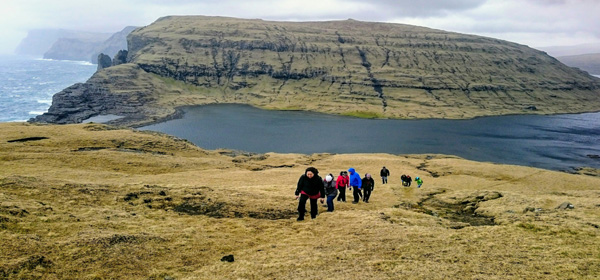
{"x": 27, "y": 84}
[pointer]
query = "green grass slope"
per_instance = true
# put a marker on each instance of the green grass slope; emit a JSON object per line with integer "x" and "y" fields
{"x": 91, "y": 201}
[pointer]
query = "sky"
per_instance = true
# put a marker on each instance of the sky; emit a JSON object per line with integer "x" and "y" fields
{"x": 536, "y": 23}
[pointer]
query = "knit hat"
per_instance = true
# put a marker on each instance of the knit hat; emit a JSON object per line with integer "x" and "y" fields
{"x": 328, "y": 178}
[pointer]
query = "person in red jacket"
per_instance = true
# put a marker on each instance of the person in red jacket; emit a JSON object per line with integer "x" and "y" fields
{"x": 341, "y": 184}
{"x": 310, "y": 186}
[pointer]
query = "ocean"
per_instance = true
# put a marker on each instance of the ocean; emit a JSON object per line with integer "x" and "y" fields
{"x": 27, "y": 84}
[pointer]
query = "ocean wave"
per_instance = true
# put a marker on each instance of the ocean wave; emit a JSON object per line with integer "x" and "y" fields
{"x": 80, "y": 62}
{"x": 83, "y": 63}
{"x": 36, "y": 113}
{"x": 45, "y": 101}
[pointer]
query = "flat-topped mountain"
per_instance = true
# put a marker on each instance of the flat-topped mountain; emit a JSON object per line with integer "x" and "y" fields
{"x": 341, "y": 67}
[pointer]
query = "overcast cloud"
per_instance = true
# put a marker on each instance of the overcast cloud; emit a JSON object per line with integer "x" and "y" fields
{"x": 537, "y": 23}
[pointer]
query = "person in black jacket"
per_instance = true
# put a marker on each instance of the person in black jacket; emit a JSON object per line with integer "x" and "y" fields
{"x": 384, "y": 173}
{"x": 310, "y": 186}
{"x": 368, "y": 184}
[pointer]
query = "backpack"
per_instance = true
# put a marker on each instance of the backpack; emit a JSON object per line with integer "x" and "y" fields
{"x": 329, "y": 187}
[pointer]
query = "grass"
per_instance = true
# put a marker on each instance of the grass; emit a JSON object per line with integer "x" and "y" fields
{"x": 364, "y": 115}
{"x": 98, "y": 202}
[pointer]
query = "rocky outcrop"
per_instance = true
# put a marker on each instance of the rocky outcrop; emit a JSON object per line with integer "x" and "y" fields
{"x": 120, "y": 58}
{"x": 102, "y": 95}
{"x": 114, "y": 44}
{"x": 104, "y": 61}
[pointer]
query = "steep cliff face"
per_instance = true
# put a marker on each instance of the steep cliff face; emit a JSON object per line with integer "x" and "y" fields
{"x": 73, "y": 49}
{"x": 113, "y": 45}
{"x": 123, "y": 90}
{"x": 356, "y": 68}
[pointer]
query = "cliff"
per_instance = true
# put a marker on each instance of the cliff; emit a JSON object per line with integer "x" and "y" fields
{"x": 112, "y": 45}
{"x": 73, "y": 48}
{"x": 87, "y": 48}
{"x": 341, "y": 67}
{"x": 39, "y": 41}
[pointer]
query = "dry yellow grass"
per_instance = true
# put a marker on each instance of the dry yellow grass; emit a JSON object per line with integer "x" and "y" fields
{"x": 93, "y": 202}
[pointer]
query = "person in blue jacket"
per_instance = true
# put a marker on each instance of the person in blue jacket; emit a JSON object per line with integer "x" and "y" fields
{"x": 355, "y": 184}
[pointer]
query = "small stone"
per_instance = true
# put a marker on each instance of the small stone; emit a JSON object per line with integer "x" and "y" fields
{"x": 228, "y": 258}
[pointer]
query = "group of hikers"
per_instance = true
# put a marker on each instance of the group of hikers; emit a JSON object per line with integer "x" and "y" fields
{"x": 312, "y": 187}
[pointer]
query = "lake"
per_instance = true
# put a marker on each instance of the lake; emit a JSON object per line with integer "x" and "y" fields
{"x": 558, "y": 142}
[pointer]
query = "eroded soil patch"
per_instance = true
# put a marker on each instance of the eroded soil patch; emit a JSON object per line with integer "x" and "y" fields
{"x": 462, "y": 211}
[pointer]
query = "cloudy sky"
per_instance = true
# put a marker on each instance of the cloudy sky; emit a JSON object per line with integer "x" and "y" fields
{"x": 536, "y": 23}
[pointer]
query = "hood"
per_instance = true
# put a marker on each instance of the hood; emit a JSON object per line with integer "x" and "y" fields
{"x": 351, "y": 170}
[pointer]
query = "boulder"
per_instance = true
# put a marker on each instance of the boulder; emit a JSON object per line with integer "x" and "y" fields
{"x": 120, "y": 58}
{"x": 104, "y": 61}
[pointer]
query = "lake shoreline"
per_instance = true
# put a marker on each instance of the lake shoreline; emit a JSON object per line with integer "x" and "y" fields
{"x": 480, "y": 139}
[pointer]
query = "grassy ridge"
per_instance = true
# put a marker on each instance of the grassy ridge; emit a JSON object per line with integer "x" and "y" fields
{"x": 95, "y": 202}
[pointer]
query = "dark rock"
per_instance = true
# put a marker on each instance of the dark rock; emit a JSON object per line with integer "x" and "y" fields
{"x": 82, "y": 101}
{"x": 228, "y": 258}
{"x": 104, "y": 61}
{"x": 532, "y": 108}
{"x": 594, "y": 156}
{"x": 120, "y": 58}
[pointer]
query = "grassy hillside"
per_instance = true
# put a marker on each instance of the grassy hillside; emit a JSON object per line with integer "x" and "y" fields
{"x": 96, "y": 202}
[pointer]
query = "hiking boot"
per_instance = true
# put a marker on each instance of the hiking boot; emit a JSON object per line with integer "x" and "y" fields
{"x": 300, "y": 219}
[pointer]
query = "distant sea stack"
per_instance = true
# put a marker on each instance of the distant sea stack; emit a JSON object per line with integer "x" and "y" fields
{"x": 345, "y": 67}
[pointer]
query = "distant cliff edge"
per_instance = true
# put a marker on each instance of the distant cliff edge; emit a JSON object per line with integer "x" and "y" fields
{"x": 64, "y": 44}
{"x": 347, "y": 67}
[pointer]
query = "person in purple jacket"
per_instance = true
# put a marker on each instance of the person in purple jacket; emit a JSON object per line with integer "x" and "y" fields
{"x": 355, "y": 184}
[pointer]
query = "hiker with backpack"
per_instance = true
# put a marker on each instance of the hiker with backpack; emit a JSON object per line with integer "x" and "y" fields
{"x": 355, "y": 184}
{"x": 331, "y": 191}
{"x": 342, "y": 184}
{"x": 368, "y": 185}
{"x": 310, "y": 186}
